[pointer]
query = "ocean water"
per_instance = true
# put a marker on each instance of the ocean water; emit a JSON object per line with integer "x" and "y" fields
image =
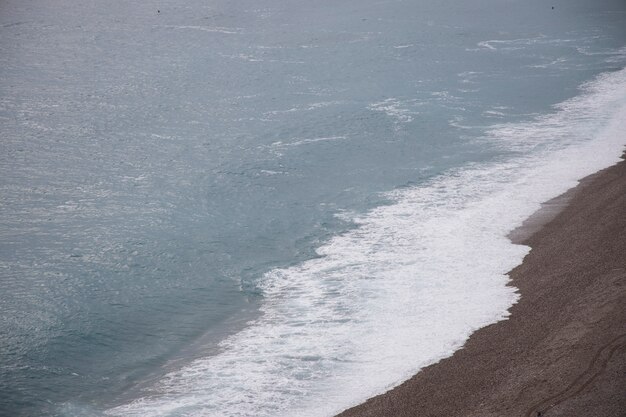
{"x": 277, "y": 208}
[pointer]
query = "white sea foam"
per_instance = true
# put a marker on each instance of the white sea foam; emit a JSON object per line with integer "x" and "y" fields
{"x": 403, "y": 289}
{"x": 516, "y": 44}
{"x": 493, "y": 113}
{"x": 397, "y": 109}
{"x": 306, "y": 107}
{"x": 576, "y": 120}
{"x": 212, "y": 29}
{"x": 299, "y": 142}
{"x": 612, "y": 55}
{"x": 552, "y": 63}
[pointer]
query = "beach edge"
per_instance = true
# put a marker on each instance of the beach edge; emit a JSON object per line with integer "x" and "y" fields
{"x": 562, "y": 352}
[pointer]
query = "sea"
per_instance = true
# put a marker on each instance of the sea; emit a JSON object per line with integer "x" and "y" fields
{"x": 277, "y": 208}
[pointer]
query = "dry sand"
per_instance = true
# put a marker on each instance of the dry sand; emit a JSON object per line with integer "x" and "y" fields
{"x": 563, "y": 350}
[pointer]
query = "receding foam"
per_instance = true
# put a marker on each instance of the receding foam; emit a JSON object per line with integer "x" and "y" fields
{"x": 405, "y": 288}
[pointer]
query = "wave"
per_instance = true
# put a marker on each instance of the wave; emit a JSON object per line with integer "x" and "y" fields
{"x": 406, "y": 287}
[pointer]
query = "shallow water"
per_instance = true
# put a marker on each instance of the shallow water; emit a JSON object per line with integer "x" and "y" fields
{"x": 239, "y": 208}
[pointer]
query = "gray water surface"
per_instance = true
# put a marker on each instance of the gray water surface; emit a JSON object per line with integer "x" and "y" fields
{"x": 158, "y": 157}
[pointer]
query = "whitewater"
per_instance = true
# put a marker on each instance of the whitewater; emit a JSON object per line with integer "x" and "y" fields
{"x": 407, "y": 286}
{"x": 277, "y": 208}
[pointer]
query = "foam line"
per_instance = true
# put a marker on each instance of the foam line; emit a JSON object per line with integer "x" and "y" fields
{"x": 405, "y": 288}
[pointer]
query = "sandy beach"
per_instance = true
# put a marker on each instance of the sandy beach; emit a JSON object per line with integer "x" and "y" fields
{"x": 563, "y": 350}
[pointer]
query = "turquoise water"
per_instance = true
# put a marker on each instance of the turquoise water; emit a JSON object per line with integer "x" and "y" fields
{"x": 217, "y": 208}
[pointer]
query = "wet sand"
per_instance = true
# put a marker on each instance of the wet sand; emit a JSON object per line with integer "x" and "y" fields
{"x": 563, "y": 350}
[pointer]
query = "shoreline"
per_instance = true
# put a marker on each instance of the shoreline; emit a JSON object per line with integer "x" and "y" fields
{"x": 562, "y": 351}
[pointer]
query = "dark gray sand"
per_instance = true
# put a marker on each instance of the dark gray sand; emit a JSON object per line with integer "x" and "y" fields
{"x": 563, "y": 350}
